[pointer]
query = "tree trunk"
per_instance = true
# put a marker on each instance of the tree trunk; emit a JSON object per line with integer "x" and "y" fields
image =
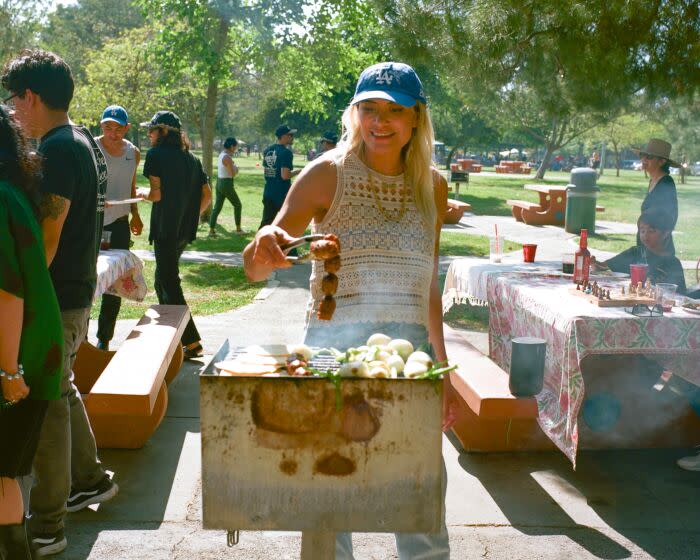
{"x": 209, "y": 120}
{"x": 617, "y": 160}
{"x": 546, "y": 160}
{"x": 209, "y": 125}
{"x": 448, "y": 160}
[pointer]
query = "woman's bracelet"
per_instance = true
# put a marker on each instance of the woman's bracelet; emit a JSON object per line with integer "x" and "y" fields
{"x": 10, "y": 376}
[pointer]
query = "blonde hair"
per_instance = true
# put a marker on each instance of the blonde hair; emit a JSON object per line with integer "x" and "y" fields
{"x": 416, "y": 155}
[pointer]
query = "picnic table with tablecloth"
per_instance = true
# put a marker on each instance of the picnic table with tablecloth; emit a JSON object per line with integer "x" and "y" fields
{"x": 466, "y": 277}
{"x": 541, "y": 306}
{"x": 120, "y": 273}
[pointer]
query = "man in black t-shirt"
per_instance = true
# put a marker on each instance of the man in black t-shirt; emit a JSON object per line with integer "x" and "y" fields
{"x": 279, "y": 170}
{"x": 68, "y": 474}
{"x": 180, "y": 192}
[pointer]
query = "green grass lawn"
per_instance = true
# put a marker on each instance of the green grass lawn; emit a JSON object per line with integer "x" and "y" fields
{"x": 208, "y": 288}
{"x": 211, "y": 288}
{"x": 462, "y": 245}
{"x": 621, "y": 196}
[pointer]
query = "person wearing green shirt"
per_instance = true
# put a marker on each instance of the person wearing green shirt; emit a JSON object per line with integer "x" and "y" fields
{"x": 31, "y": 336}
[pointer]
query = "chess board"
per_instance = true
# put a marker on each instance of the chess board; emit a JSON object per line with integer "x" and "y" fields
{"x": 617, "y": 298}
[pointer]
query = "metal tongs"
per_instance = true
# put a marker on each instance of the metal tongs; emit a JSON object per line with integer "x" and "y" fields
{"x": 298, "y": 243}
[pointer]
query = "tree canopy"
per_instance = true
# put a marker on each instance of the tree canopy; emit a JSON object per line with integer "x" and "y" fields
{"x": 580, "y": 63}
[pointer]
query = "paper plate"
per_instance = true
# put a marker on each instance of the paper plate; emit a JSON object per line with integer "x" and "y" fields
{"x": 689, "y": 310}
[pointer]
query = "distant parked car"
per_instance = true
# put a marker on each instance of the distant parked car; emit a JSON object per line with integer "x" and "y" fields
{"x": 694, "y": 168}
{"x": 637, "y": 165}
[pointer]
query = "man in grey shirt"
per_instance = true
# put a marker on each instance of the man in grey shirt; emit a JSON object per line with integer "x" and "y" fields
{"x": 122, "y": 161}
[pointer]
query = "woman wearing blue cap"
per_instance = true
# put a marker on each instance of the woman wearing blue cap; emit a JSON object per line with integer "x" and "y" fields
{"x": 379, "y": 193}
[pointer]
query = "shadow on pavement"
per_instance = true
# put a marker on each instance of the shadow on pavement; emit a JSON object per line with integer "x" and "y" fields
{"x": 157, "y": 483}
{"x": 639, "y": 494}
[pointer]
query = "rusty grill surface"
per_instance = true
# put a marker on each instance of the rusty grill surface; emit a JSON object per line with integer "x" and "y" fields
{"x": 279, "y": 453}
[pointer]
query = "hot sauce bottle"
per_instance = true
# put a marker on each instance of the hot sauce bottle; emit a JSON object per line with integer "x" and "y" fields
{"x": 582, "y": 260}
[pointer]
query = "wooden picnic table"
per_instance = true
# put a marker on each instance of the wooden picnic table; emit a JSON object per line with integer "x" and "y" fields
{"x": 601, "y": 379}
{"x": 551, "y": 209}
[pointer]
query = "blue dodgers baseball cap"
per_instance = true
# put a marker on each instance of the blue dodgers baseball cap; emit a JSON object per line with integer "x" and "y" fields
{"x": 393, "y": 81}
{"x": 115, "y": 113}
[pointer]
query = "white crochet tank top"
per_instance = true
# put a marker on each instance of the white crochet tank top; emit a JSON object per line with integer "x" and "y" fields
{"x": 386, "y": 266}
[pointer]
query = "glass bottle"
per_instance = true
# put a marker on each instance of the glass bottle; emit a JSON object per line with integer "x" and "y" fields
{"x": 582, "y": 259}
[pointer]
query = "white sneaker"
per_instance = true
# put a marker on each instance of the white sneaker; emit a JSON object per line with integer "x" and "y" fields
{"x": 690, "y": 463}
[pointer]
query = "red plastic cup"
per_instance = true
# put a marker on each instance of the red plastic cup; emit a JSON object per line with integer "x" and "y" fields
{"x": 529, "y": 250}
{"x": 638, "y": 273}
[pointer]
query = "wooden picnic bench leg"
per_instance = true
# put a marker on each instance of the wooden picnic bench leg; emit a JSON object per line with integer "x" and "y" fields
{"x": 175, "y": 365}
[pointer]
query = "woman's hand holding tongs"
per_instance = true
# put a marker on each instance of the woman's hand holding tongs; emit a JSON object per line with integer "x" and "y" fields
{"x": 298, "y": 242}
{"x": 269, "y": 247}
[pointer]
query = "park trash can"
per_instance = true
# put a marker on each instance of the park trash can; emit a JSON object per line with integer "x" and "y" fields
{"x": 581, "y": 198}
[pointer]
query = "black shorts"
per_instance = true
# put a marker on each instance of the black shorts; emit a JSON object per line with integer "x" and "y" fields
{"x": 20, "y": 426}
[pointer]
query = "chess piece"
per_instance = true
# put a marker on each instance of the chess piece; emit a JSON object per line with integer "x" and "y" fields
{"x": 622, "y": 289}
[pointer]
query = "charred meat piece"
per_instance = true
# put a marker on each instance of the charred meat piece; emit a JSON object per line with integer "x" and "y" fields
{"x": 329, "y": 284}
{"x": 324, "y": 249}
{"x": 332, "y": 266}
{"x": 326, "y": 309}
{"x": 296, "y": 365}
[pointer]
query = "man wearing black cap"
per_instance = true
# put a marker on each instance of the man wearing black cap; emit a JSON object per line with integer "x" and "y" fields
{"x": 327, "y": 142}
{"x": 180, "y": 193}
{"x": 279, "y": 170}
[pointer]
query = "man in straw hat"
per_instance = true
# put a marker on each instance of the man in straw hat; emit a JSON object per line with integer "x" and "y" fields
{"x": 661, "y": 194}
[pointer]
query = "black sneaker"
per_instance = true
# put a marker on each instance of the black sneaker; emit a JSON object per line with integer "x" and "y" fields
{"x": 193, "y": 353}
{"x": 48, "y": 544}
{"x": 104, "y": 490}
{"x": 102, "y": 345}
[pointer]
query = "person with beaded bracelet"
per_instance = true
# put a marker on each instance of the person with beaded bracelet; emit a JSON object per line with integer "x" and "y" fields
{"x": 31, "y": 337}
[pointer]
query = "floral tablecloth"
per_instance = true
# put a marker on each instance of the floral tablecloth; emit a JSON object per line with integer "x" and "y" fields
{"x": 526, "y": 305}
{"x": 466, "y": 277}
{"x": 120, "y": 273}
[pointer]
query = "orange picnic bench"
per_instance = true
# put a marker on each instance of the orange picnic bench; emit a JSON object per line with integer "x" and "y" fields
{"x": 551, "y": 209}
{"x": 455, "y": 211}
{"x": 507, "y": 166}
{"x": 489, "y": 418}
{"x": 125, "y": 392}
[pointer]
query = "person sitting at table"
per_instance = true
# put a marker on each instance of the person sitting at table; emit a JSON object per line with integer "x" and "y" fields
{"x": 654, "y": 228}
{"x": 31, "y": 335}
{"x": 661, "y": 192}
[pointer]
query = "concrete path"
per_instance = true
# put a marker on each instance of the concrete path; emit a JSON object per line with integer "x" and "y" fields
{"x": 551, "y": 241}
{"x": 511, "y": 506}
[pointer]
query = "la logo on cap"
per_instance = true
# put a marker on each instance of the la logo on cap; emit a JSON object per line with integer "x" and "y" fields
{"x": 386, "y": 76}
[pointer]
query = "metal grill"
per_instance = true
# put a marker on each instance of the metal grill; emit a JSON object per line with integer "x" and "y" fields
{"x": 322, "y": 362}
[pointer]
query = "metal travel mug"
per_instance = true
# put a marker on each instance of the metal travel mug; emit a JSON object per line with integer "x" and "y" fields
{"x": 527, "y": 366}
